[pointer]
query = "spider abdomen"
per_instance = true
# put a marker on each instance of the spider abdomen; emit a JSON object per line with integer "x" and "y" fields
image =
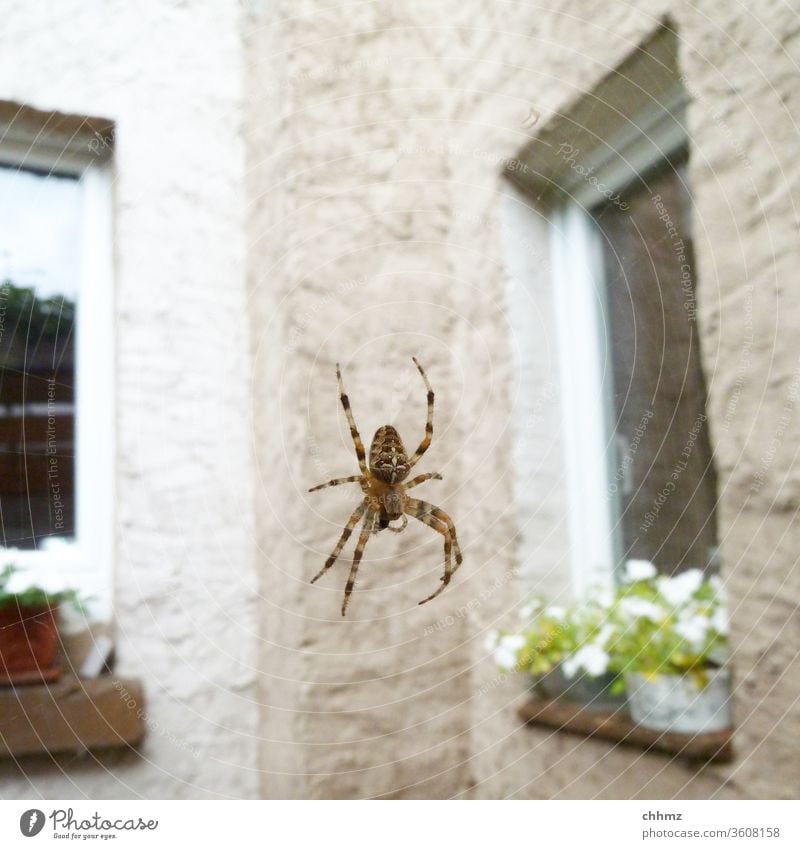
{"x": 387, "y": 455}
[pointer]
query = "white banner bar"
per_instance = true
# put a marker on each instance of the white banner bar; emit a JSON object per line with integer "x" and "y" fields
{"x": 412, "y": 825}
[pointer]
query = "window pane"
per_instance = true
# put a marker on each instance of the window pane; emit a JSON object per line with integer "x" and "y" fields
{"x": 39, "y": 256}
{"x": 664, "y": 474}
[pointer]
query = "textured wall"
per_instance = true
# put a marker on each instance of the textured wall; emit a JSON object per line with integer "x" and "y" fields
{"x": 169, "y": 75}
{"x": 375, "y": 153}
{"x": 351, "y": 263}
{"x": 365, "y": 190}
{"x": 743, "y": 72}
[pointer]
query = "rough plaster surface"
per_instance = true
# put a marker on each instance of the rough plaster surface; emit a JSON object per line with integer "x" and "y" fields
{"x": 378, "y": 161}
{"x": 373, "y": 136}
{"x": 169, "y": 75}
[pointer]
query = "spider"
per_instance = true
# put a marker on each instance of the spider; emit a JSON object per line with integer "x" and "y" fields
{"x": 385, "y": 498}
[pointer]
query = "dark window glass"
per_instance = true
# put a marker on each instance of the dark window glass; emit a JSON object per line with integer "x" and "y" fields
{"x": 39, "y": 257}
{"x": 663, "y": 470}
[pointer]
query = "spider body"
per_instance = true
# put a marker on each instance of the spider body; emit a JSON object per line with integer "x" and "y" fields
{"x": 386, "y": 500}
{"x": 385, "y": 488}
{"x": 387, "y": 456}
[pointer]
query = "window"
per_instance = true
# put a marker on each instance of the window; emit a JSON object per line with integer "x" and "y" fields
{"x": 641, "y": 477}
{"x": 610, "y": 180}
{"x": 39, "y": 219}
{"x": 56, "y": 413}
{"x": 663, "y": 480}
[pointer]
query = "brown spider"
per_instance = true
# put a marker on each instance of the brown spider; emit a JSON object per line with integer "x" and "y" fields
{"x": 385, "y": 496}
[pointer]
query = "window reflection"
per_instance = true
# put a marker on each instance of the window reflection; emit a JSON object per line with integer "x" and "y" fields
{"x": 39, "y": 220}
{"x": 664, "y": 474}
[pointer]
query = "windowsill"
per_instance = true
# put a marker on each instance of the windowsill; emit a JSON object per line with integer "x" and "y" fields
{"x": 71, "y": 715}
{"x": 617, "y": 727}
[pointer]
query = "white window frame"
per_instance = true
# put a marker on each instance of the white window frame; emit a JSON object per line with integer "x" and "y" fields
{"x": 584, "y": 364}
{"x": 88, "y": 563}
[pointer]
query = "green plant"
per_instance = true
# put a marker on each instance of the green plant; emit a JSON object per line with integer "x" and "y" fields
{"x": 549, "y": 639}
{"x": 38, "y": 316}
{"x": 553, "y": 635}
{"x": 32, "y": 595}
{"x": 653, "y": 624}
{"x": 670, "y": 625}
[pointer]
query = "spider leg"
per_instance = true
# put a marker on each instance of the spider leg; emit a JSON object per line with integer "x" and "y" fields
{"x": 359, "y": 445}
{"x": 366, "y": 530}
{"x": 338, "y": 481}
{"x": 426, "y": 441}
{"x": 419, "y": 512}
{"x": 425, "y": 507}
{"x": 348, "y": 529}
{"x": 430, "y": 476}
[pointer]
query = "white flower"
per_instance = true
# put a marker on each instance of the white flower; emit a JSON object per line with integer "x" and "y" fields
{"x": 640, "y": 607}
{"x": 718, "y": 586}
{"x": 604, "y": 634}
{"x": 678, "y": 589}
{"x": 719, "y": 622}
{"x": 19, "y": 582}
{"x": 491, "y": 640}
{"x": 593, "y": 659}
{"x": 505, "y": 653}
{"x": 527, "y": 611}
{"x": 555, "y": 612}
{"x": 570, "y": 665}
{"x": 639, "y": 570}
{"x": 47, "y": 580}
{"x": 693, "y": 630}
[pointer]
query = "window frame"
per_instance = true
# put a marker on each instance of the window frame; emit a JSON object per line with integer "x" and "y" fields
{"x": 652, "y": 136}
{"x": 636, "y": 127}
{"x": 89, "y": 563}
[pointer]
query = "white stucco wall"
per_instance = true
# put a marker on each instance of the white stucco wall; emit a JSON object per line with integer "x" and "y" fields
{"x": 345, "y": 160}
{"x": 170, "y": 76}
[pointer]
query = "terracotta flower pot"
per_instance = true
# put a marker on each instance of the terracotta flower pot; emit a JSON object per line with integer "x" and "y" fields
{"x": 28, "y": 644}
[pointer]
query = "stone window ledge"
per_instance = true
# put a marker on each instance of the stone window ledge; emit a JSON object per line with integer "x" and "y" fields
{"x": 617, "y": 727}
{"x": 71, "y": 715}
